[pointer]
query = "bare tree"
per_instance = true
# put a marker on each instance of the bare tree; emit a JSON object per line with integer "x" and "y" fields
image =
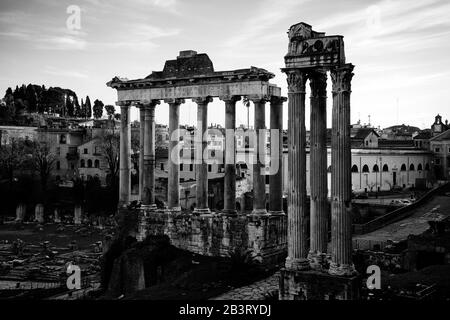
{"x": 110, "y": 148}
{"x": 13, "y": 157}
{"x": 43, "y": 162}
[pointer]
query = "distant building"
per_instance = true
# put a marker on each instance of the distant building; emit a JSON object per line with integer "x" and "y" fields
{"x": 438, "y": 127}
{"x": 422, "y": 139}
{"x": 440, "y": 146}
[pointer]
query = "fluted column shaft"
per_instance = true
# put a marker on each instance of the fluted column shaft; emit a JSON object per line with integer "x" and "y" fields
{"x": 125, "y": 154}
{"x": 259, "y": 181}
{"x": 173, "y": 192}
{"x": 297, "y": 210}
{"x": 341, "y": 224}
{"x": 318, "y": 168}
{"x": 230, "y": 154}
{"x": 276, "y": 155}
{"x": 148, "y": 184}
{"x": 201, "y": 172}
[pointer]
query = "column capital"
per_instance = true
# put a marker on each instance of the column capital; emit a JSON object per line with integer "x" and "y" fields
{"x": 202, "y": 100}
{"x": 277, "y": 100}
{"x": 258, "y": 99}
{"x": 318, "y": 83}
{"x": 296, "y": 80}
{"x": 144, "y": 104}
{"x": 124, "y": 103}
{"x": 342, "y": 77}
{"x": 230, "y": 98}
{"x": 174, "y": 100}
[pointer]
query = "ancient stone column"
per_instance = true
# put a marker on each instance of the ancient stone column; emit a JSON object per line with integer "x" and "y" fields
{"x": 39, "y": 213}
{"x": 318, "y": 169}
{"x": 297, "y": 210}
{"x": 57, "y": 218}
{"x": 141, "y": 149}
{"x": 201, "y": 145}
{"x": 259, "y": 178}
{"x": 77, "y": 214}
{"x": 125, "y": 154}
{"x": 230, "y": 154}
{"x": 173, "y": 191}
{"x": 21, "y": 210}
{"x": 148, "y": 183}
{"x": 341, "y": 223}
{"x": 276, "y": 156}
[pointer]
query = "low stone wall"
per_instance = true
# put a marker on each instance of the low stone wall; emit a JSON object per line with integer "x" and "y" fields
{"x": 396, "y": 215}
{"x": 265, "y": 236}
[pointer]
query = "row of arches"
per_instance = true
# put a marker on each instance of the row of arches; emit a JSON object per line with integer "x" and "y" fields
{"x": 376, "y": 168}
{"x": 88, "y": 163}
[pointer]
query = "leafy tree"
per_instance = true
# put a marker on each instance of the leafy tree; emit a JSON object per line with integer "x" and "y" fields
{"x": 70, "y": 107}
{"x": 98, "y": 109}
{"x": 110, "y": 111}
{"x": 88, "y": 108}
{"x": 31, "y": 98}
{"x": 81, "y": 110}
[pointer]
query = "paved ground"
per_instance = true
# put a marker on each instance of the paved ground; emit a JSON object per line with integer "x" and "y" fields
{"x": 256, "y": 291}
{"x": 417, "y": 223}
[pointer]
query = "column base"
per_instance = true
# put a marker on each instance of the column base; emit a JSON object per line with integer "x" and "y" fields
{"x": 295, "y": 264}
{"x": 201, "y": 211}
{"x": 317, "y": 260}
{"x": 315, "y": 285}
{"x": 276, "y": 213}
{"x": 345, "y": 270}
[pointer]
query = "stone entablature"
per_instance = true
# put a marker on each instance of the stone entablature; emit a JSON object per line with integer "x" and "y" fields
{"x": 308, "y": 48}
{"x": 192, "y": 75}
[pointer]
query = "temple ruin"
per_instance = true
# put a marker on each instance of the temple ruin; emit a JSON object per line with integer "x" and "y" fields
{"x": 309, "y": 267}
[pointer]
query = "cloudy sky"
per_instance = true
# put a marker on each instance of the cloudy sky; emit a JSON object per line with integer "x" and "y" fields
{"x": 400, "y": 48}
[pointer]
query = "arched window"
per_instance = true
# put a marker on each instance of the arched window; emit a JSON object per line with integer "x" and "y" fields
{"x": 376, "y": 168}
{"x": 403, "y": 168}
{"x": 427, "y": 167}
{"x": 385, "y": 168}
{"x": 89, "y": 163}
{"x": 329, "y": 169}
{"x": 82, "y": 163}
{"x": 365, "y": 169}
{"x": 355, "y": 168}
{"x": 97, "y": 163}
{"x": 419, "y": 167}
{"x": 411, "y": 167}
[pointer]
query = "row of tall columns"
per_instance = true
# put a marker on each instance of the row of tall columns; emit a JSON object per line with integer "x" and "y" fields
{"x": 341, "y": 255}
{"x": 147, "y": 155}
